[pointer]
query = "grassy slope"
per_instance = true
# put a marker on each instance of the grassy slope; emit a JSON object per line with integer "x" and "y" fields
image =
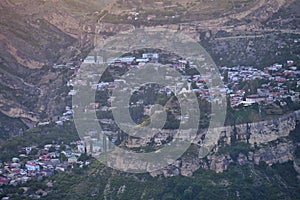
{"x": 247, "y": 182}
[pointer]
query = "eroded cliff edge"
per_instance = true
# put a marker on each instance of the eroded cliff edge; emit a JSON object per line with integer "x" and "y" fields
{"x": 267, "y": 141}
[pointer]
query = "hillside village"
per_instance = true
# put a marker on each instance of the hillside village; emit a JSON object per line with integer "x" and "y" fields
{"x": 277, "y": 83}
{"x": 273, "y": 88}
{"x": 35, "y": 163}
{"x": 255, "y": 45}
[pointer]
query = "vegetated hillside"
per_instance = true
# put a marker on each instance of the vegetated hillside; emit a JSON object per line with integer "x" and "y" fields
{"x": 260, "y": 43}
{"x": 259, "y": 50}
{"x": 34, "y": 35}
{"x": 242, "y": 177}
{"x": 9, "y": 126}
{"x": 166, "y": 11}
{"x": 288, "y": 17}
{"x": 239, "y": 182}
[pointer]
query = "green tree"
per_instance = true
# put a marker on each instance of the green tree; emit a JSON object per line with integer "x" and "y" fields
{"x": 226, "y": 76}
{"x": 188, "y": 194}
{"x": 63, "y": 157}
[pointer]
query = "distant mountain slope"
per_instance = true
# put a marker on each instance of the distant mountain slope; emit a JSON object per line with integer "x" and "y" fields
{"x": 288, "y": 17}
{"x": 29, "y": 42}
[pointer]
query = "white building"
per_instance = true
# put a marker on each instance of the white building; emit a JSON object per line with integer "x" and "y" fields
{"x": 143, "y": 60}
{"x": 125, "y": 59}
{"x": 150, "y": 55}
{"x": 93, "y": 60}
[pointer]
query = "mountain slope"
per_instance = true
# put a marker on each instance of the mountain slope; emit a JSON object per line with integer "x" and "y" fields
{"x": 34, "y": 35}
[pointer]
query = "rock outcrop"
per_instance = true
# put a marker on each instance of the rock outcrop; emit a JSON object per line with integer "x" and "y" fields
{"x": 268, "y": 143}
{"x": 219, "y": 163}
{"x": 279, "y": 153}
{"x": 259, "y": 132}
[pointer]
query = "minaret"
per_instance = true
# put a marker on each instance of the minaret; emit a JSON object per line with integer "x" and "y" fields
{"x": 189, "y": 87}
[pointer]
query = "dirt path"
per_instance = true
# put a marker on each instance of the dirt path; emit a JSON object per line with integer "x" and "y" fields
{"x": 267, "y": 31}
{"x": 240, "y": 37}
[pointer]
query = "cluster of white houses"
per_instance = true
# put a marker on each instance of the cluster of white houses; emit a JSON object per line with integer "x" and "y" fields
{"x": 146, "y": 57}
{"x": 42, "y": 163}
{"x": 267, "y": 93}
{"x": 274, "y": 88}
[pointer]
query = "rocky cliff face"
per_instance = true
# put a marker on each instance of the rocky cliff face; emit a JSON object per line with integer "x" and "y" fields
{"x": 261, "y": 132}
{"x": 277, "y": 153}
{"x": 266, "y": 142}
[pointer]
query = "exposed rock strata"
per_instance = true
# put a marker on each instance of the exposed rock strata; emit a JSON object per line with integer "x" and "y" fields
{"x": 268, "y": 140}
